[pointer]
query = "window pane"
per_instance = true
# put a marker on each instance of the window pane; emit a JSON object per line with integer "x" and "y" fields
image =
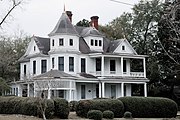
{"x": 112, "y": 65}
{"x": 52, "y": 62}
{"x": 71, "y": 64}
{"x": 96, "y": 42}
{"x": 92, "y": 42}
{"x": 24, "y": 69}
{"x": 98, "y": 64}
{"x": 43, "y": 66}
{"x": 53, "y": 42}
{"x": 123, "y": 47}
{"x": 83, "y": 65}
{"x": 34, "y": 67}
{"x": 61, "y": 42}
{"x": 100, "y": 43}
{"x": 61, "y": 63}
{"x": 83, "y": 92}
{"x": 71, "y": 42}
{"x": 124, "y": 66}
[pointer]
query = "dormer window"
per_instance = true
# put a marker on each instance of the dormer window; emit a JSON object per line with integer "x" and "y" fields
{"x": 61, "y": 42}
{"x": 52, "y": 42}
{"x": 96, "y": 42}
{"x": 92, "y": 42}
{"x": 100, "y": 43}
{"x": 71, "y": 42}
{"x": 123, "y": 47}
{"x": 34, "y": 48}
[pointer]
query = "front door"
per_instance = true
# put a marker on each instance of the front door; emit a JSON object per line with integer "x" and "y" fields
{"x": 113, "y": 91}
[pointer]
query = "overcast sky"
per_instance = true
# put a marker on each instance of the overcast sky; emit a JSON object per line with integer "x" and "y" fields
{"x": 39, "y": 17}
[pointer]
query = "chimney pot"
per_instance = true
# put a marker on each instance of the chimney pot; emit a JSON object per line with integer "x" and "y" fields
{"x": 94, "y": 21}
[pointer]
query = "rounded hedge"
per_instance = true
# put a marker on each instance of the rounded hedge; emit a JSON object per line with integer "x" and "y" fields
{"x": 72, "y": 105}
{"x": 95, "y": 115}
{"x": 150, "y": 107}
{"x": 61, "y": 108}
{"x": 127, "y": 114}
{"x": 114, "y": 105}
{"x": 108, "y": 114}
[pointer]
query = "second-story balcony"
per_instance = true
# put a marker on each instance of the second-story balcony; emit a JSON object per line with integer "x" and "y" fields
{"x": 119, "y": 65}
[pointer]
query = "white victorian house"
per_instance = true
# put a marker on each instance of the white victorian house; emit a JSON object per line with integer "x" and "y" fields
{"x": 79, "y": 63}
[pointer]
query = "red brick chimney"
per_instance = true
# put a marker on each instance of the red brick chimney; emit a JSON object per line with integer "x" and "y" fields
{"x": 94, "y": 21}
{"x": 69, "y": 14}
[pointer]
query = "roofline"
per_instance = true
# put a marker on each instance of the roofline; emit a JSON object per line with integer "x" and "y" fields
{"x": 116, "y": 55}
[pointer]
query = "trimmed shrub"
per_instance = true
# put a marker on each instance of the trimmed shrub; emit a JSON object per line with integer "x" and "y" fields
{"x": 61, "y": 108}
{"x": 83, "y": 107}
{"x": 72, "y": 105}
{"x": 150, "y": 107}
{"x": 108, "y": 114}
{"x": 127, "y": 114}
{"x": 113, "y": 105}
{"x": 95, "y": 114}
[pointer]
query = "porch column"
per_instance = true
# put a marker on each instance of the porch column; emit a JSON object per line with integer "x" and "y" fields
{"x": 144, "y": 66}
{"x": 100, "y": 90}
{"x": 49, "y": 93}
{"x": 102, "y": 65}
{"x": 70, "y": 95}
{"x": 145, "y": 89}
{"x": 122, "y": 89}
{"x": 28, "y": 90}
{"x": 121, "y": 66}
{"x": 103, "y": 94}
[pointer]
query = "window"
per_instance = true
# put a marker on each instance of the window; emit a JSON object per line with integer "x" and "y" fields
{"x": 124, "y": 66}
{"x": 34, "y": 48}
{"x": 34, "y": 67}
{"x": 53, "y": 42}
{"x": 52, "y": 62}
{"x": 83, "y": 92}
{"x": 61, "y": 42}
{"x": 113, "y": 91}
{"x": 123, "y": 47}
{"x": 96, "y": 42}
{"x": 100, "y": 43}
{"x": 112, "y": 65}
{"x": 43, "y": 66}
{"x": 98, "y": 64}
{"x": 92, "y": 42}
{"x": 24, "y": 69}
{"x": 71, "y": 64}
{"x": 83, "y": 65}
{"x": 61, "y": 63}
{"x": 71, "y": 42}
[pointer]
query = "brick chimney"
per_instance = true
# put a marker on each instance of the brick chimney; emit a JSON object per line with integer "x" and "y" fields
{"x": 94, "y": 21}
{"x": 69, "y": 14}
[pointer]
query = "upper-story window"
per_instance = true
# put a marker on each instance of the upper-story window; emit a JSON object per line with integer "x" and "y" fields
{"x": 96, "y": 42}
{"x": 61, "y": 41}
{"x": 100, "y": 43}
{"x": 71, "y": 64}
{"x": 43, "y": 66}
{"x": 34, "y": 48}
{"x": 92, "y": 42}
{"x": 112, "y": 65}
{"x": 24, "y": 69}
{"x": 123, "y": 47}
{"x": 52, "y": 62}
{"x": 34, "y": 67}
{"x": 98, "y": 64}
{"x": 61, "y": 63}
{"x": 52, "y": 42}
{"x": 83, "y": 65}
{"x": 71, "y": 42}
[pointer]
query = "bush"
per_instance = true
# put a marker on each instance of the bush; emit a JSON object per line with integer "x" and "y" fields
{"x": 108, "y": 114}
{"x": 150, "y": 107}
{"x": 113, "y": 105}
{"x": 127, "y": 114}
{"x": 95, "y": 114}
{"x": 72, "y": 105}
{"x": 61, "y": 108}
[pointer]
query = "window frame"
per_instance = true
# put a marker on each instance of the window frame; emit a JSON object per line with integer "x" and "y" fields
{"x": 61, "y": 42}
{"x": 34, "y": 67}
{"x": 61, "y": 63}
{"x": 43, "y": 66}
{"x": 71, "y": 64}
{"x": 112, "y": 65}
{"x": 71, "y": 42}
{"x": 83, "y": 65}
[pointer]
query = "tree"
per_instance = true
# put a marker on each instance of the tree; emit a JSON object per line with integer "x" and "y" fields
{"x": 169, "y": 36}
{"x": 12, "y": 7}
{"x": 83, "y": 23}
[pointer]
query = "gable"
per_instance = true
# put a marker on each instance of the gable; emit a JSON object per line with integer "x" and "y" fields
{"x": 125, "y": 48}
{"x": 32, "y": 48}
